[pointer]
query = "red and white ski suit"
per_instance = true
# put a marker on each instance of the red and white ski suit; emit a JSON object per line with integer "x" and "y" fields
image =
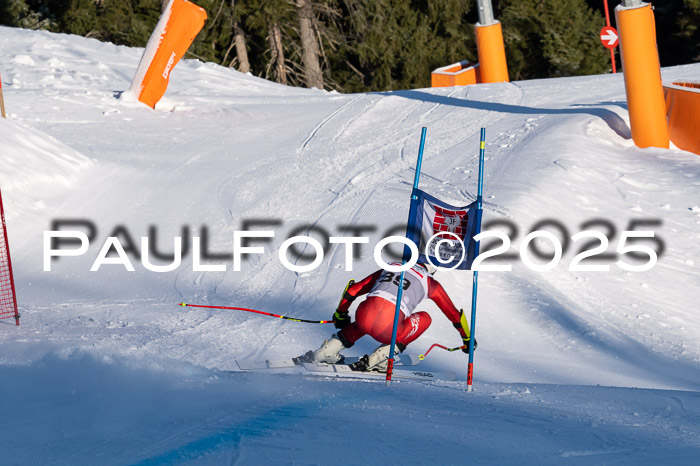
{"x": 375, "y": 315}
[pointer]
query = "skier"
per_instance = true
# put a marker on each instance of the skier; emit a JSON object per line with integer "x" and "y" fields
{"x": 375, "y": 316}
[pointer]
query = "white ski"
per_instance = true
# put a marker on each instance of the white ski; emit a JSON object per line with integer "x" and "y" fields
{"x": 343, "y": 370}
{"x": 245, "y": 365}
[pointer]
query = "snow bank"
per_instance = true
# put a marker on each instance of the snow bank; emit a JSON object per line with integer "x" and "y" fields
{"x": 122, "y": 412}
{"x": 35, "y": 167}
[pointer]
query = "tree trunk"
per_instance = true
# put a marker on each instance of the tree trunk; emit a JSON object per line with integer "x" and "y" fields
{"x": 241, "y": 51}
{"x": 309, "y": 45}
{"x": 274, "y": 36}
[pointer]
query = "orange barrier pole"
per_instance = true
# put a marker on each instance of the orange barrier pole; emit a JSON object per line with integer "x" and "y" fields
{"x": 642, "y": 72}
{"x": 492, "y": 53}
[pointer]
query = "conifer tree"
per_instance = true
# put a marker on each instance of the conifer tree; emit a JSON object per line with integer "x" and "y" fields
{"x": 309, "y": 44}
{"x": 678, "y": 31}
{"x": 239, "y": 41}
{"x": 20, "y": 14}
{"x": 549, "y": 38}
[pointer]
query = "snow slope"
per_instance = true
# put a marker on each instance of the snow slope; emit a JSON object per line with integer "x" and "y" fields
{"x": 576, "y": 367}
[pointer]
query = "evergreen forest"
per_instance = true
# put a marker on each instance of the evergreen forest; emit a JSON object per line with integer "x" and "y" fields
{"x": 371, "y": 45}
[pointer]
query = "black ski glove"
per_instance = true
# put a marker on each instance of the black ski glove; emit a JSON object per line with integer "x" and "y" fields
{"x": 465, "y": 340}
{"x": 341, "y": 319}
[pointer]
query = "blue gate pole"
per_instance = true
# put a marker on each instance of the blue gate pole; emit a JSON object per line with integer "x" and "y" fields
{"x": 394, "y": 331}
{"x": 475, "y": 281}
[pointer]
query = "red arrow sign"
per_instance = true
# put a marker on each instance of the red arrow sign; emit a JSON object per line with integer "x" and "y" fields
{"x": 609, "y": 37}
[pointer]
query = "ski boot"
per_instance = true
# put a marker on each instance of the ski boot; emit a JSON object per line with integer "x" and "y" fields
{"x": 329, "y": 353}
{"x": 378, "y": 360}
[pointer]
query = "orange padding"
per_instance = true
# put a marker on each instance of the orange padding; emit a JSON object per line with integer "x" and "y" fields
{"x": 683, "y": 113}
{"x": 185, "y": 21}
{"x": 642, "y": 72}
{"x": 693, "y": 85}
{"x": 457, "y": 74}
{"x": 492, "y": 53}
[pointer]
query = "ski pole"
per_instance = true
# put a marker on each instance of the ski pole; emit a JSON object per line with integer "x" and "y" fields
{"x": 259, "y": 312}
{"x": 294, "y": 319}
{"x": 422, "y": 356}
{"x": 345, "y": 291}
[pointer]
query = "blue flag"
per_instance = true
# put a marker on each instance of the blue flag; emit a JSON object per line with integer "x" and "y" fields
{"x": 443, "y": 233}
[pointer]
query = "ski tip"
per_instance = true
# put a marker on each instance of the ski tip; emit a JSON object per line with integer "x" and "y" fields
{"x": 182, "y": 304}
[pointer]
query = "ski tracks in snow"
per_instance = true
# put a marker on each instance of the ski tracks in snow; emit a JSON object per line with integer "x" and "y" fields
{"x": 370, "y": 166}
{"x": 325, "y": 121}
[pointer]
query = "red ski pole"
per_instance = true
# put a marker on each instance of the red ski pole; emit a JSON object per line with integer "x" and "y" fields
{"x": 422, "y": 356}
{"x": 294, "y": 319}
{"x": 259, "y": 312}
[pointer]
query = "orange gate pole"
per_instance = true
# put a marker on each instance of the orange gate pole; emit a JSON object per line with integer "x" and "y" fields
{"x": 642, "y": 72}
{"x": 489, "y": 45}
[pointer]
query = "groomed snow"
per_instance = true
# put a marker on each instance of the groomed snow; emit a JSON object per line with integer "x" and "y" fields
{"x": 572, "y": 367}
